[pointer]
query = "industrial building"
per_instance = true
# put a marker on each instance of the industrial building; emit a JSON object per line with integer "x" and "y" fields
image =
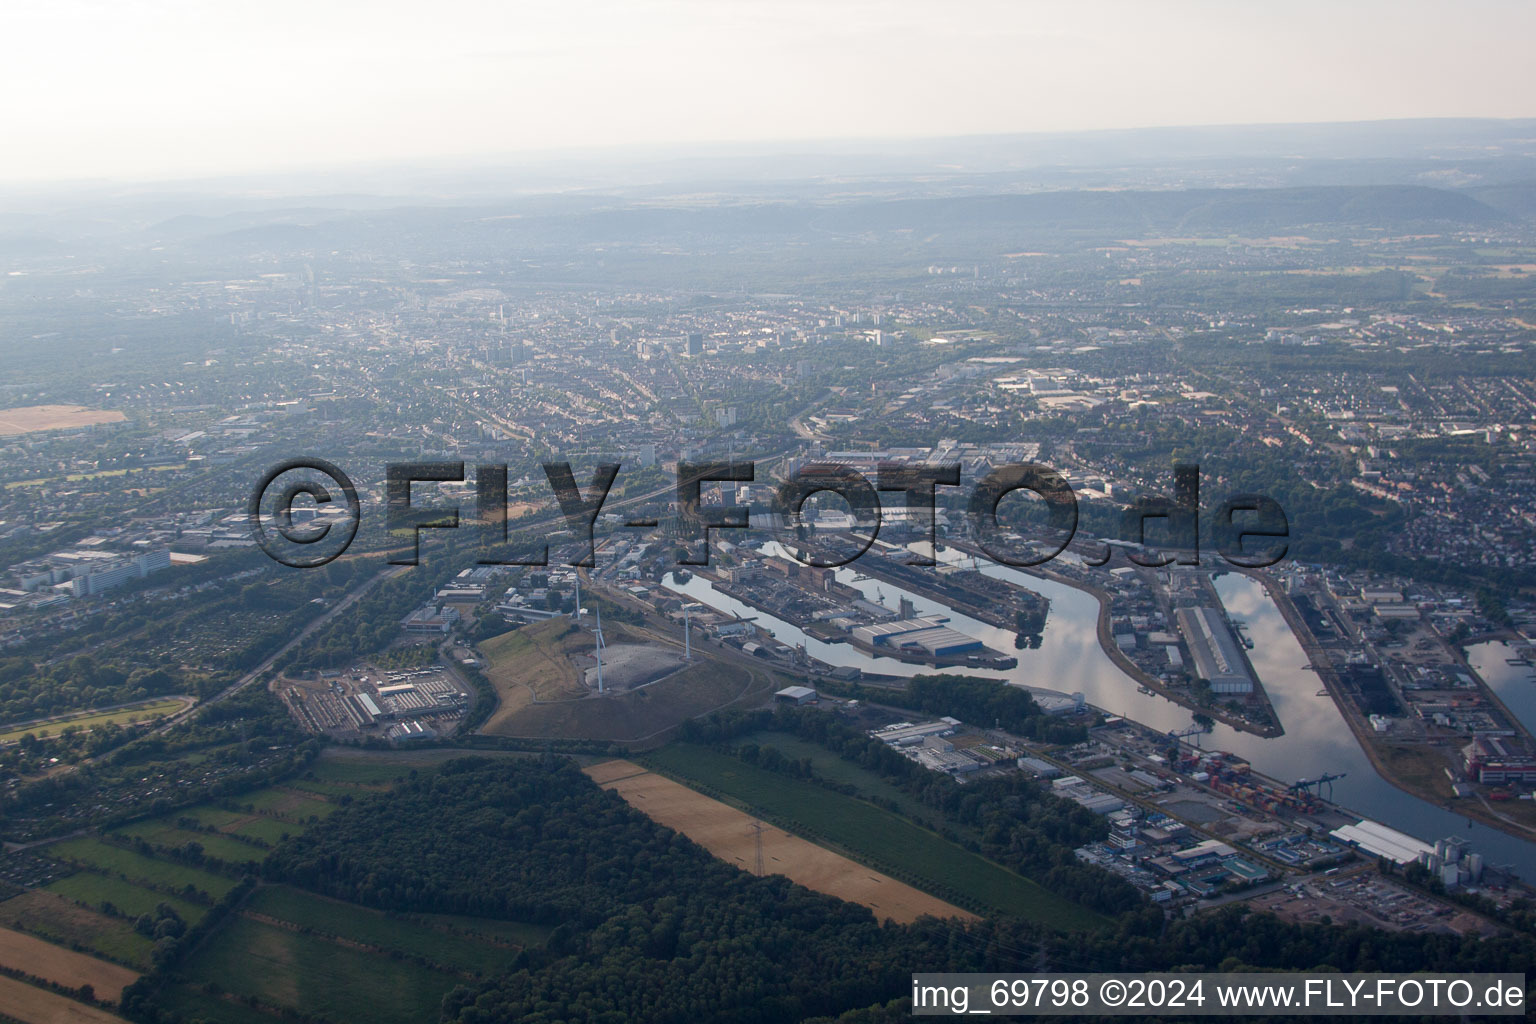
{"x": 516, "y": 606}
{"x": 84, "y": 571}
{"x": 1217, "y": 656}
{"x": 1202, "y": 852}
{"x": 952, "y": 762}
{"x": 929, "y": 636}
{"x": 1058, "y": 703}
{"x": 746, "y": 572}
{"x": 1038, "y": 768}
{"x": 430, "y": 618}
{"x": 905, "y": 734}
{"x": 795, "y": 695}
{"x": 1377, "y": 839}
{"x": 1497, "y": 760}
{"x": 1076, "y": 789}
{"x": 411, "y": 732}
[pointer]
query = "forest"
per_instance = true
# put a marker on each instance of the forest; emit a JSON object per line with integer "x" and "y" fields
{"x": 651, "y": 927}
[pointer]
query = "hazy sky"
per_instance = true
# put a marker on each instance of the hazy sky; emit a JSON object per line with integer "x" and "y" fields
{"x": 175, "y": 88}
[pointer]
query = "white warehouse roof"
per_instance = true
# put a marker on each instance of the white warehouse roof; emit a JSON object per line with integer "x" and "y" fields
{"x": 1374, "y": 837}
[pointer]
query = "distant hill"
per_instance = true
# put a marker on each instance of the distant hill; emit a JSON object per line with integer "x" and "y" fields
{"x": 984, "y": 221}
{"x": 1517, "y": 199}
{"x": 1196, "y": 211}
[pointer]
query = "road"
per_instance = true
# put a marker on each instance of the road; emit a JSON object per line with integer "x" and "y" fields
{"x": 797, "y": 422}
{"x": 250, "y": 677}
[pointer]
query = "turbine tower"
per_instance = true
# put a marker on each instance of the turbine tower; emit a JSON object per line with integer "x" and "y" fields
{"x": 598, "y": 632}
{"x": 576, "y": 612}
{"x": 687, "y": 638}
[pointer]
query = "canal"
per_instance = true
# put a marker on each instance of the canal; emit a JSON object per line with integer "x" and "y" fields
{"x": 1069, "y": 660}
{"x": 1515, "y": 684}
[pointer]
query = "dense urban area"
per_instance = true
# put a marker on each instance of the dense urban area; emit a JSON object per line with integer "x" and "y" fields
{"x": 793, "y": 695}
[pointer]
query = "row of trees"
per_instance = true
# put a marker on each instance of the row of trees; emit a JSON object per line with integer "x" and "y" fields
{"x": 978, "y": 701}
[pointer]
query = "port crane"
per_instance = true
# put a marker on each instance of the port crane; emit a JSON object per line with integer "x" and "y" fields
{"x": 1316, "y": 785}
{"x": 1195, "y": 730}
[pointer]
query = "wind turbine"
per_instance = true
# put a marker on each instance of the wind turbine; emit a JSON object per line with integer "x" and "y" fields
{"x": 687, "y": 638}
{"x": 598, "y": 632}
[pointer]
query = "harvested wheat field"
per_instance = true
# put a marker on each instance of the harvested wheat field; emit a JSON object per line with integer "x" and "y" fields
{"x": 728, "y": 834}
{"x": 28, "y": 418}
{"x": 32, "y": 1005}
{"x": 41, "y": 959}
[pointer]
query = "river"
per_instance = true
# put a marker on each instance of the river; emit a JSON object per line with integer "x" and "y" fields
{"x": 1069, "y": 660}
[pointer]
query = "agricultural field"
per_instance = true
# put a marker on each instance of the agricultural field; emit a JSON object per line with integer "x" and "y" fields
{"x": 873, "y": 835}
{"x": 268, "y": 827}
{"x": 282, "y": 968}
{"x": 333, "y": 918}
{"x": 268, "y": 830}
{"x": 144, "y": 711}
{"x": 29, "y": 418}
{"x": 332, "y": 776}
{"x": 362, "y": 768}
{"x": 135, "y": 867}
{"x": 32, "y": 1005}
{"x": 503, "y": 933}
{"x": 317, "y": 789}
{"x": 269, "y": 814}
{"x": 833, "y": 768}
{"x": 730, "y": 835}
{"x": 193, "y": 1004}
{"x": 59, "y": 920}
{"x": 206, "y": 814}
{"x": 159, "y": 833}
{"x": 33, "y": 956}
{"x": 288, "y": 802}
{"x": 94, "y": 889}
